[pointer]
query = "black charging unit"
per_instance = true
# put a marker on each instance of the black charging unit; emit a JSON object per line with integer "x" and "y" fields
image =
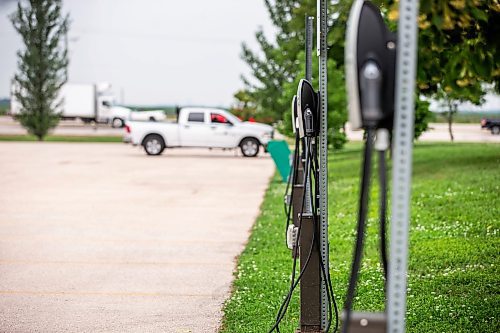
{"x": 307, "y": 109}
{"x": 303, "y": 235}
{"x": 370, "y": 61}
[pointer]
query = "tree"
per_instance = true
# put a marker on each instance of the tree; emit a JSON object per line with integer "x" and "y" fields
{"x": 42, "y": 64}
{"x": 452, "y": 109}
{"x": 458, "y": 49}
{"x": 275, "y": 63}
{"x": 279, "y": 65}
{"x": 422, "y": 115}
{"x": 244, "y": 108}
{"x": 459, "y": 46}
{"x": 450, "y": 99}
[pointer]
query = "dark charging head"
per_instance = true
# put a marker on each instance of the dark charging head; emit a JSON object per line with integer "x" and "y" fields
{"x": 307, "y": 109}
{"x": 369, "y": 40}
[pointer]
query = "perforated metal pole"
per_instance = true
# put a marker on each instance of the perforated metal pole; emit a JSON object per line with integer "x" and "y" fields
{"x": 402, "y": 165}
{"x": 322, "y": 30}
{"x": 309, "y": 47}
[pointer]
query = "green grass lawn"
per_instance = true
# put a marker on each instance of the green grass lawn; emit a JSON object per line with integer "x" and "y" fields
{"x": 454, "y": 280}
{"x": 60, "y": 138}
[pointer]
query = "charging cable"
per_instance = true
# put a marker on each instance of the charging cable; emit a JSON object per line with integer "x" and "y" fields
{"x": 372, "y": 115}
{"x": 382, "y": 142}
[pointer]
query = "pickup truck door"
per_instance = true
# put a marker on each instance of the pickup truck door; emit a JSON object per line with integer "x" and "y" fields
{"x": 195, "y": 131}
{"x": 222, "y": 131}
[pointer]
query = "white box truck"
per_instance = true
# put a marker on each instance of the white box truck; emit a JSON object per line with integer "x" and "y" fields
{"x": 92, "y": 102}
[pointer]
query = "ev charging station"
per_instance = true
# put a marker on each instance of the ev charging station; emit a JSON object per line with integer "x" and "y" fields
{"x": 370, "y": 60}
{"x": 380, "y": 78}
{"x": 377, "y": 90}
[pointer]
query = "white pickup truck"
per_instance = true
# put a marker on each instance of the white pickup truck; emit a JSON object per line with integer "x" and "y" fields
{"x": 199, "y": 127}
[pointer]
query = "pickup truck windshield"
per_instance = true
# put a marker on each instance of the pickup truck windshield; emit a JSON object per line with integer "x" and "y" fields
{"x": 232, "y": 118}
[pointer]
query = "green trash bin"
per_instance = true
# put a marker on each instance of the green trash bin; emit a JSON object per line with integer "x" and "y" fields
{"x": 282, "y": 157}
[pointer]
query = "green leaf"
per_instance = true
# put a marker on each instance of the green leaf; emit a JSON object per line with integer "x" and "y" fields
{"x": 479, "y": 14}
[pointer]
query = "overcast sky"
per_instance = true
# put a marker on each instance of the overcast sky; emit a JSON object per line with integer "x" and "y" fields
{"x": 154, "y": 51}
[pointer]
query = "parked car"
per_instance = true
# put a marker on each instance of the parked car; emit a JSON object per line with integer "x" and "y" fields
{"x": 200, "y": 127}
{"x": 492, "y": 124}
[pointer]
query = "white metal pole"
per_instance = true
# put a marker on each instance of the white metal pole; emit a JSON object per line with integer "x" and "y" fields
{"x": 402, "y": 165}
{"x": 322, "y": 30}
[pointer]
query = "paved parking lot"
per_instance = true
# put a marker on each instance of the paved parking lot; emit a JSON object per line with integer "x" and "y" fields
{"x": 101, "y": 238}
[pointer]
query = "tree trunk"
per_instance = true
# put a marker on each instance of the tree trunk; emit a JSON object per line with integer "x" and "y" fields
{"x": 450, "y": 123}
{"x": 451, "y": 110}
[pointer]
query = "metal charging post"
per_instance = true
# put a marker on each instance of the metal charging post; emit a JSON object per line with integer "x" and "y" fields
{"x": 308, "y": 77}
{"x": 322, "y": 49}
{"x": 309, "y": 47}
{"x": 402, "y": 165}
{"x": 310, "y": 284}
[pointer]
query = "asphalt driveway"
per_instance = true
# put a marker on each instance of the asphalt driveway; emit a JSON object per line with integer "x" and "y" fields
{"x": 101, "y": 238}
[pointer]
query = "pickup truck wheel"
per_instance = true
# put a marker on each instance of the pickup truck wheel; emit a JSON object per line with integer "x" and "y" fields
{"x": 495, "y": 130}
{"x": 249, "y": 147}
{"x": 117, "y": 123}
{"x": 154, "y": 144}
